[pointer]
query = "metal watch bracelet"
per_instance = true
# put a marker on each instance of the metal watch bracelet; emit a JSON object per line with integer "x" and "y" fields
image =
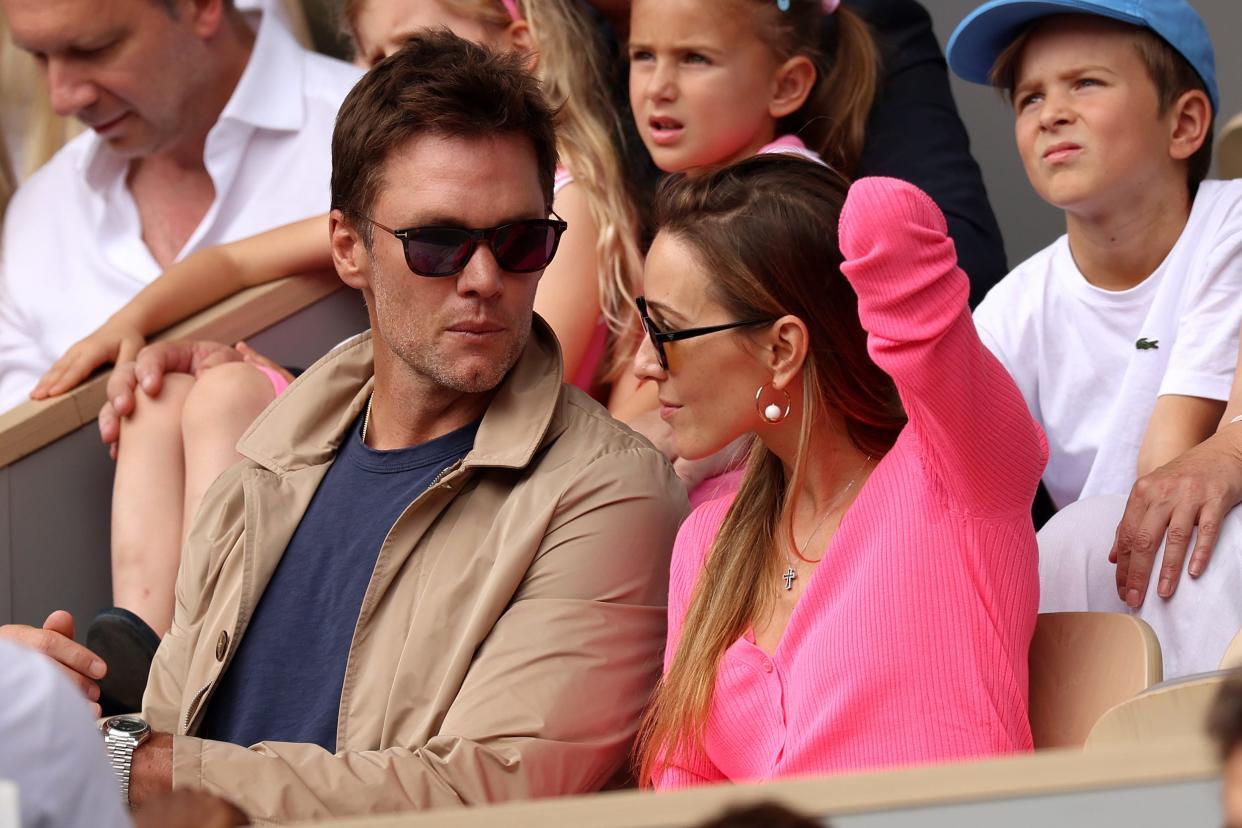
{"x": 122, "y": 736}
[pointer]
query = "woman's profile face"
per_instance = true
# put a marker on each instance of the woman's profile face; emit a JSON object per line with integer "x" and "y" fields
{"x": 382, "y": 26}
{"x": 707, "y": 393}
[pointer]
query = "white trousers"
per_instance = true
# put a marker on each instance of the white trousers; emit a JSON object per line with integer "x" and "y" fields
{"x": 1194, "y": 626}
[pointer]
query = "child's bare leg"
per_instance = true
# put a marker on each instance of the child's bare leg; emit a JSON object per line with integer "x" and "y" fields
{"x": 225, "y": 401}
{"x": 147, "y": 504}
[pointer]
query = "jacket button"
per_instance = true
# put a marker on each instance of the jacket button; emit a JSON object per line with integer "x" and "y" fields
{"x": 222, "y": 646}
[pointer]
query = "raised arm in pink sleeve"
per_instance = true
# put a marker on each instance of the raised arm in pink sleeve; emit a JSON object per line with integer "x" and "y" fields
{"x": 976, "y": 432}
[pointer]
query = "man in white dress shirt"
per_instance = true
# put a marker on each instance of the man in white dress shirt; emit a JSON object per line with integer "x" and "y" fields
{"x": 201, "y": 131}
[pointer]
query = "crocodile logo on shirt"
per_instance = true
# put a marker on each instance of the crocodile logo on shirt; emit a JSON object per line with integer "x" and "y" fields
{"x": 1145, "y": 344}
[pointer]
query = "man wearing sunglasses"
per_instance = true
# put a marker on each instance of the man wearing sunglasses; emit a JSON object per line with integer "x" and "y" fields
{"x": 439, "y": 576}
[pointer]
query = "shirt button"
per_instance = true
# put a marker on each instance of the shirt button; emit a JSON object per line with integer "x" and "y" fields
{"x": 767, "y": 666}
{"x": 222, "y": 645}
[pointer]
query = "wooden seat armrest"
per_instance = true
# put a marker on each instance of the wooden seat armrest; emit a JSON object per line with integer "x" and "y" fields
{"x": 33, "y": 425}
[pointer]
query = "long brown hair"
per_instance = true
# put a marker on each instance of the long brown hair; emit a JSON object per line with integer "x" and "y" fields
{"x": 576, "y": 77}
{"x": 834, "y": 118}
{"x": 766, "y": 229}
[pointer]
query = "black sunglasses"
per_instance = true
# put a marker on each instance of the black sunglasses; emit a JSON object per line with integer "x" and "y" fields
{"x": 659, "y": 337}
{"x": 519, "y": 246}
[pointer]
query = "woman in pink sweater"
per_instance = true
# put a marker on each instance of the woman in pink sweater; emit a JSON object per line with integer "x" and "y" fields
{"x": 868, "y": 596}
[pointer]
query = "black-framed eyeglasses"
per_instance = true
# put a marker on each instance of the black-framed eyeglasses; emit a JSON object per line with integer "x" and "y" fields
{"x": 519, "y": 246}
{"x": 659, "y": 337}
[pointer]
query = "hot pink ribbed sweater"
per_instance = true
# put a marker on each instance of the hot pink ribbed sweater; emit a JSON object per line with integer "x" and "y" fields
{"x": 910, "y": 642}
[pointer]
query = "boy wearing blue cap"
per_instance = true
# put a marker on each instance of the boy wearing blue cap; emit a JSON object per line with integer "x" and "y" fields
{"x": 1122, "y": 334}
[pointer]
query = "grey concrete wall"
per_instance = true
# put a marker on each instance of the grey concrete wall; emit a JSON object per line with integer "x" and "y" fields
{"x": 55, "y": 504}
{"x": 1027, "y": 222}
{"x": 1153, "y": 806}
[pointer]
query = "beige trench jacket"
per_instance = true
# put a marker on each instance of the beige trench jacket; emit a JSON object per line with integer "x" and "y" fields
{"x": 512, "y": 628}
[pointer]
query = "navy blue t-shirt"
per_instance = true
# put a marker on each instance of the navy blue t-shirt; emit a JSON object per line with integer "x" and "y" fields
{"x": 284, "y": 683}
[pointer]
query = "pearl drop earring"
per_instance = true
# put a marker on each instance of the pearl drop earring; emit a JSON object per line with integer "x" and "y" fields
{"x": 772, "y": 413}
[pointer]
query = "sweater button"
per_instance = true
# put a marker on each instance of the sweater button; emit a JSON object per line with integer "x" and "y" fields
{"x": 767, "y": 666}
{"x": 222, "y": 645}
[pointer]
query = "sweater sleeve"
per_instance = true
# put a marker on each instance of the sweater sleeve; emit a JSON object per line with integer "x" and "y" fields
{"x": 914, "y": 133}
{"x": 691, "y": 767}
{"x": 977, "y": 438}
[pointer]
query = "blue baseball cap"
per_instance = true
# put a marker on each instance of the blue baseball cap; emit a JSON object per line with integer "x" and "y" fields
{"x": 986, "y": 32}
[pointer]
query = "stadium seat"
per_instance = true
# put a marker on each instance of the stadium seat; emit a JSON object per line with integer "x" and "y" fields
{"x": 1233, "y": 654}
{"x": 1081, "y": 665}
{"x": 1229, "y": 150}
{"x": 1170, "y": 711}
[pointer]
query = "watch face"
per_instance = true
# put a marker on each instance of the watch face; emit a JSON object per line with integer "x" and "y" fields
{"x": 127, "y": 724}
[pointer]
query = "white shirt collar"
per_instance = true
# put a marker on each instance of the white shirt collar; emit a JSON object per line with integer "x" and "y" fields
{"x": 268, "y": 96}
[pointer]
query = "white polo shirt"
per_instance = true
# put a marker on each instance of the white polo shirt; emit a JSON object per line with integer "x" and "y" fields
{"x": 72, "y": 247}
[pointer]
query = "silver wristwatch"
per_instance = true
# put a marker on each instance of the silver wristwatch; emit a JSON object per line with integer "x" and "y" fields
{"x": 122, "y": 736}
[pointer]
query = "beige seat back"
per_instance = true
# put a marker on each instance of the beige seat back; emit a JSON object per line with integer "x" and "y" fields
{"x": 1172, "y": 711}
{"x": 1233, "y": 653}
{"x": 1082, "y": 664}
{"x": 1229, "y": 149}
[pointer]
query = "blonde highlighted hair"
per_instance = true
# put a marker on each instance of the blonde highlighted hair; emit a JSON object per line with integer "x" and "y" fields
{"x": 573, "y": 69}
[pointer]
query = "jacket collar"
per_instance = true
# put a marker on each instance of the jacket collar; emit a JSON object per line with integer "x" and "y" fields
{"x": 306, "y": 424}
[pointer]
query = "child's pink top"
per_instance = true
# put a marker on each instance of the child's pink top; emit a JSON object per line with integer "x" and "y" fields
{"x": 278, "y": 380}
{"x": 910, "y": 642}
{"x": 791, "y": 145}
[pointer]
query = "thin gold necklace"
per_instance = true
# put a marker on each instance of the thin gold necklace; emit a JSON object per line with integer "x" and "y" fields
{"x": 366, "y": 418}
{"x": 790, "y": 575}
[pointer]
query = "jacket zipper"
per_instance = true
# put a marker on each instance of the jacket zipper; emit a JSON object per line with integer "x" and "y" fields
{"x": 189, "y": 714}
{"x": 445, "y": 472}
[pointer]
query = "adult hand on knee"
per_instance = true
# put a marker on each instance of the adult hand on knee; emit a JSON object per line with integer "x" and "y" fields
{"x": 182, "y": 356}
{"x": 55, "y": 640}
{"x": 1199, "y": 488}
{"x": 147, "y": 372}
